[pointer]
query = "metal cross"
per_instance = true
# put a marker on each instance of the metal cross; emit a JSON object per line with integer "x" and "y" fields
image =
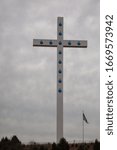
{"x": 60, "y": 43}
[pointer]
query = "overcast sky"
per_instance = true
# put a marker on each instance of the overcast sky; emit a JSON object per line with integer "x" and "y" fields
{"x": 28, "y": 74}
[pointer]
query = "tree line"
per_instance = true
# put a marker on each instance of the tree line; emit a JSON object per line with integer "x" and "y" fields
{"x": 15, "y": 144}
{"x": 10, "y": 144}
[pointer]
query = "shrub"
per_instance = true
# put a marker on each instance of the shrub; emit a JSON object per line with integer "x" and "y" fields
{"x": 96, "y": 145}
{"x": 63, "y": 145}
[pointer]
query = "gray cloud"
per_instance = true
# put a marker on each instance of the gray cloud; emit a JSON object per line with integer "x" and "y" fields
{"x": 28, "y": 74}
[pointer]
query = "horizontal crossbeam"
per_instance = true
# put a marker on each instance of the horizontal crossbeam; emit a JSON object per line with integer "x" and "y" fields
{"x": 43, "y": 43}
{"x": 66, "y": 43}
{"x": 75, "y": 43}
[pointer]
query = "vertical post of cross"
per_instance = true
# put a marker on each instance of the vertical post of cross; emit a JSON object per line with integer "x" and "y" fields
{"x": 59, "y": 78}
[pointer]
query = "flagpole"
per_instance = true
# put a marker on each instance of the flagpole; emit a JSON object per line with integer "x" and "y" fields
{"x": 84, "y": 119}
{"x": 83, "y": 129}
